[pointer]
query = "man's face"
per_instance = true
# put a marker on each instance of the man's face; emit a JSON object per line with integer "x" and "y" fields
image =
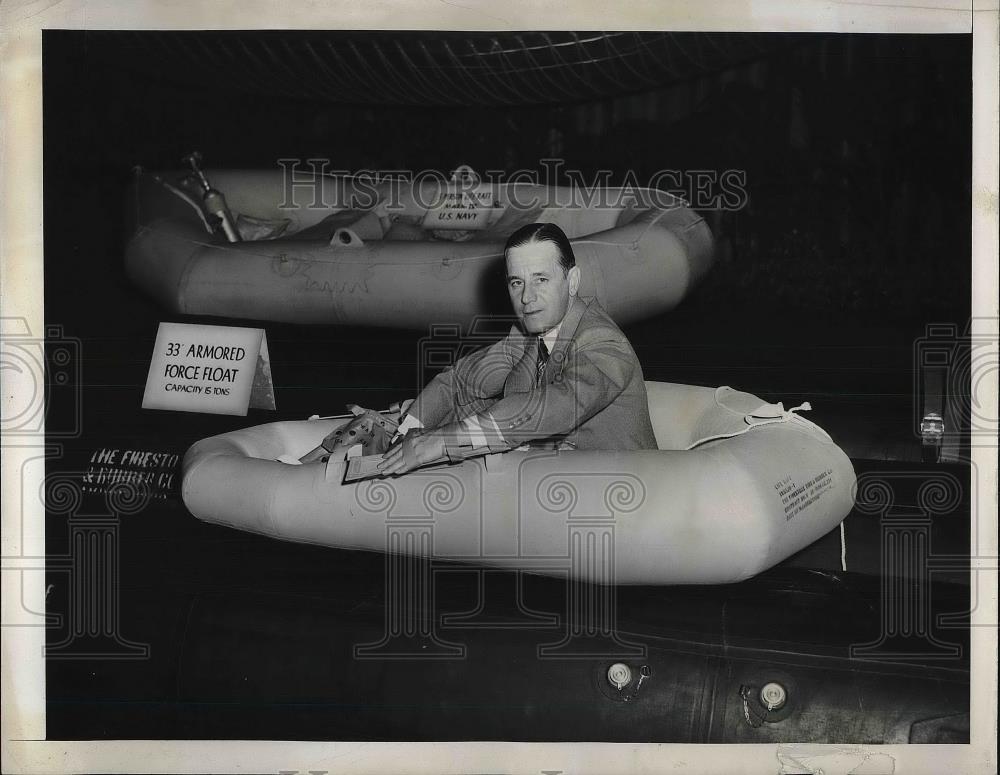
{"x": 539, "y": 289}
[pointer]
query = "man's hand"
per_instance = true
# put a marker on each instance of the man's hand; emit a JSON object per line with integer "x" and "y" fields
{"x": 417, "y": 448}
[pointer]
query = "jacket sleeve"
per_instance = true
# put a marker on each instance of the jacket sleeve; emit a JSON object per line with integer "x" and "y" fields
{"x": 591, "y": 378}
{"x": 467, "y": 387}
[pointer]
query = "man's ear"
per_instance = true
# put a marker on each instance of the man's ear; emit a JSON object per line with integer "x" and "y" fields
{"x": 574, "y": 280}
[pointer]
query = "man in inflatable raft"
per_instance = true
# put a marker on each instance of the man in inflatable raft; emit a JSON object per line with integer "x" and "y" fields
{"x": 566, "y": 376}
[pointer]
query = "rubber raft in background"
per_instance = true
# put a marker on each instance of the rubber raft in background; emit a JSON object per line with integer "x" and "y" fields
{"x": 349, "y": 251}
{"x": 736, "y": 486}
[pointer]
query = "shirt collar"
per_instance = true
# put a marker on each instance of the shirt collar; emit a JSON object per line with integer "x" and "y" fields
{"x": 550, "y": 337}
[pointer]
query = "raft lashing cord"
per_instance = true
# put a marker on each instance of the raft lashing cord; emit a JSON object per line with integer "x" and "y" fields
{"x": 765, "y": 414}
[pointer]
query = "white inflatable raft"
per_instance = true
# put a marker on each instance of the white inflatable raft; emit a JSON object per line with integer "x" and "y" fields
{"x": 406, "y": 255}
{"x": 736, "y": 487}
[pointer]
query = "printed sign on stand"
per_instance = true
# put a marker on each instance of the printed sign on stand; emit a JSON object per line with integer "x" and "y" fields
{"x": 211, "y": 369}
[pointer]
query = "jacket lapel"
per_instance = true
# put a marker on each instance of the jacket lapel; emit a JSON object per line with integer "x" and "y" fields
{"x": 567, "y": 333}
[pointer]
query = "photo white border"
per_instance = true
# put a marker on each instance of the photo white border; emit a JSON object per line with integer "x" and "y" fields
{"x": 21, "y": 281}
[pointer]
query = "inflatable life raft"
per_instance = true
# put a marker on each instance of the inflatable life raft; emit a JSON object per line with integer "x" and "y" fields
{"x": 736, "y": 486}
{"x": 325, "y": 249}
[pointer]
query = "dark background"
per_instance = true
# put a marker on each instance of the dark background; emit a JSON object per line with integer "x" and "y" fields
{"x": 856, "y": 235}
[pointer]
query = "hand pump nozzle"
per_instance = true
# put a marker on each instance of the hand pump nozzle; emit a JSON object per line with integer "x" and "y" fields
{"x": 193, "y": 160}
{"x": 213, "y": 200}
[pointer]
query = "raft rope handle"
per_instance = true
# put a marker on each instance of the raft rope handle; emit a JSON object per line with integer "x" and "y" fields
{"x": 755, "y": 420}
{"x": 178, "y": 193}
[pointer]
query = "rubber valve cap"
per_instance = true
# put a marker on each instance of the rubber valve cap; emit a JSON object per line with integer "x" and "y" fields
{"x": 619, "y": 675}
{"x": 773, "y": 695}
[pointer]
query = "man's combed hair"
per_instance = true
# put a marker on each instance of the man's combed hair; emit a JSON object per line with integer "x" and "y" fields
{"x": 544, "y": 232}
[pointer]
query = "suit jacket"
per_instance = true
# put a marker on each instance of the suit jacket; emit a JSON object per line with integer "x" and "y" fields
{"x": 592, "y": 394}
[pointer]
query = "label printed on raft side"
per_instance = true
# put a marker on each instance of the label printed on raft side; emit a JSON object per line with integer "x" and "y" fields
{"x": 456, "y": 208}
{"x": 796, "y": 497}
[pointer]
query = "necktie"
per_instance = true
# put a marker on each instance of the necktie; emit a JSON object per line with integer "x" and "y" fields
{"x": 543, "y": 358}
